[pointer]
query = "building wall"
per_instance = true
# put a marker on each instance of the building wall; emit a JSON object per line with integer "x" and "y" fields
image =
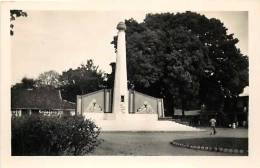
{"x": 53, "y": 112}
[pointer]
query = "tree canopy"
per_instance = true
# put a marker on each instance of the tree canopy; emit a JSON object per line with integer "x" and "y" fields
{"x": 183, "y": 57}
{"x": 14, "y": 14}
{"x": 49, "y": 79}
{"x": 26, "y": 83}
{"x": 84, "y": 79}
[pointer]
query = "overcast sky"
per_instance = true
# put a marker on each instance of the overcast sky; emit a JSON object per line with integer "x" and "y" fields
{"x": 59, "y": 40}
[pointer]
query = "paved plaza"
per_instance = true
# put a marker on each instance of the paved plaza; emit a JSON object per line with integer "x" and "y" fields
{"x": 158, "y": 143}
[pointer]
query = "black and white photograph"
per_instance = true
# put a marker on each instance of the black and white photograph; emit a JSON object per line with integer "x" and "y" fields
{"x": 128, "y": 83}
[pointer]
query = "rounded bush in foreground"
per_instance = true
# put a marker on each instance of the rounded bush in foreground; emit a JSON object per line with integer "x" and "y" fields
{"x": 45, "y": 129}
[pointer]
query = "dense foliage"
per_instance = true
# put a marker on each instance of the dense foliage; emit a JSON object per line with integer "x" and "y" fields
{"x": 26, "y": 83}
{"x": 184, "y": 57}
{"x": 41, "y": 135}
{"x": 84, "y": 79}
{"x": 49, "y": 79}
{"x": 14, "y": 14}
{"x": 81, "y": 80}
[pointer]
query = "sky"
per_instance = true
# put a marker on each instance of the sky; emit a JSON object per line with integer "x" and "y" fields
{"x": 59, "y": 40}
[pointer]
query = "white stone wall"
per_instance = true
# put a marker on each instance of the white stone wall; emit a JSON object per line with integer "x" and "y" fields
{"x": 144, "y": 103}
{"x": 92, "y": 103}
{"x": 138, "y": 104}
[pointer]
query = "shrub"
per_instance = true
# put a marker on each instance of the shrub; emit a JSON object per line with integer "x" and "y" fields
{"x": 42, "y": 135}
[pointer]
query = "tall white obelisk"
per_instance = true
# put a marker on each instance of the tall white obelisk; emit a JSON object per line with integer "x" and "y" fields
{"x": 120, "y": 96}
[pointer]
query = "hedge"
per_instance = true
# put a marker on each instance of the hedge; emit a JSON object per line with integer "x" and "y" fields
{"x": 44, "y": 135}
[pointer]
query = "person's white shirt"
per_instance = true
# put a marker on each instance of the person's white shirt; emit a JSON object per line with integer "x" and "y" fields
{"x": 212, "y": 122}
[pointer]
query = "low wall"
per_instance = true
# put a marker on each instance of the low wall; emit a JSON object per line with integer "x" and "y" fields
{"x": 101, "y": 102}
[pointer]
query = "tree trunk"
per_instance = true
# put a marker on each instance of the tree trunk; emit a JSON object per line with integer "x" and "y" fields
{"x": 183, "y": 101}
{"x": 168, "y": 104}
{"x": 235, "y": 110}
{"x": 219, "y": 112}
{"x": 183, "y": 106}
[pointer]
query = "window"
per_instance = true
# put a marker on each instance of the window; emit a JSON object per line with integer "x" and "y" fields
{"x": 122, "y": 99}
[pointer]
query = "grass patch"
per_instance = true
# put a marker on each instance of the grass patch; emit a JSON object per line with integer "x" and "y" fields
{"x": 235, "y": 143}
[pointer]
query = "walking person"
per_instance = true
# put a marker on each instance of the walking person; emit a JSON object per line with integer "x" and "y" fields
{"x": 212, "y": 122}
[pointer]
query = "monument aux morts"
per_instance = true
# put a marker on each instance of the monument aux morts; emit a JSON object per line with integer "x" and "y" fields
{"x": 125, "y": 110}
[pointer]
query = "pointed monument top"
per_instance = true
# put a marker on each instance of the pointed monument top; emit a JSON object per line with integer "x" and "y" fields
{"x": 121, "y": 26}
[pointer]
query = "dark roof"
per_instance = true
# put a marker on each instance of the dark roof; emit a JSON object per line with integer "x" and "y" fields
{"x": 39, "y": 98}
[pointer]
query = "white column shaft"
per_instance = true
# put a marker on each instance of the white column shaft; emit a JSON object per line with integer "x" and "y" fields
{"x": 120, "y": 96}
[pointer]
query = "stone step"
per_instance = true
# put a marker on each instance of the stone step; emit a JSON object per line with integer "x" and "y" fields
{"x": 144, "y": 126}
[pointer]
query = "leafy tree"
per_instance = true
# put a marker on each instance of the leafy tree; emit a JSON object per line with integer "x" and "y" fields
{"x": 85, "y": 79}
{"x": 164, "y": 63}
{"x": 14, "y": 14}
{"x": 26, "y": 83}
{"x": 49, "y": 79}
{"x": 109, "y": 83}
{"x": 228, "y": 74}
{"x": 182, "y": 56}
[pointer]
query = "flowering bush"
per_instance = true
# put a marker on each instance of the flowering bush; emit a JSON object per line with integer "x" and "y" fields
{"x": 42, "y": 135}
